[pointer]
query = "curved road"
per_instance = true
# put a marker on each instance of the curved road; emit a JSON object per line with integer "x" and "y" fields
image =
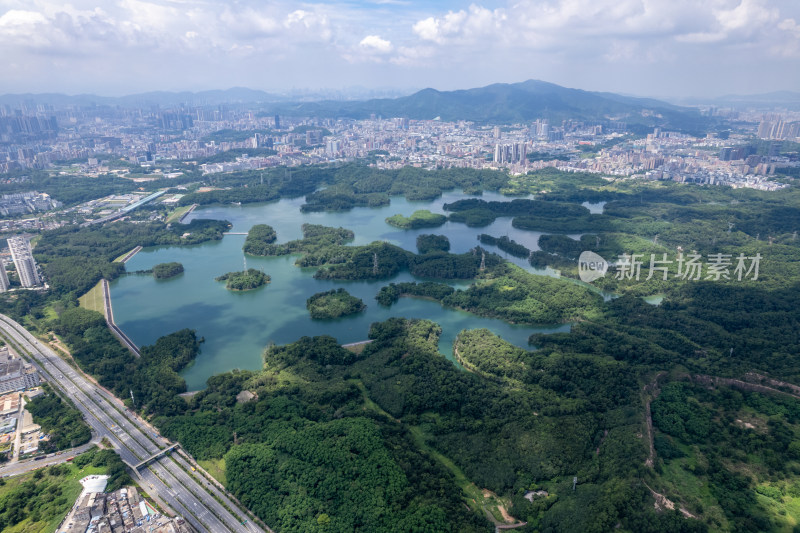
{"x": 169, "y": 479}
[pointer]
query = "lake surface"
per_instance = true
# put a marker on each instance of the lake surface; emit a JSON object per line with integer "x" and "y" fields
{"x": 237, "y": 326}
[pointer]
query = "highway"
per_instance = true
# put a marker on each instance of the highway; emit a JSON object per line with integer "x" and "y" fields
{"x": 170, "y": 479}
{"x": 20, "y": 467}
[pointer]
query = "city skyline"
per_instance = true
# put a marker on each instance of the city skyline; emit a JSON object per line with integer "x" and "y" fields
{"x": 643, "y": 47}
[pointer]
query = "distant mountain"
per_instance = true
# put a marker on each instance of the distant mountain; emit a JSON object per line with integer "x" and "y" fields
{"x": 497, "y": 103}
{"x": 506, "y": 103}
{"x": 771, "y": 100}
{"x": 160, "y": 98}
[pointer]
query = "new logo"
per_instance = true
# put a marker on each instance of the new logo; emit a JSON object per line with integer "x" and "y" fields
{"x": 591, "y": 267}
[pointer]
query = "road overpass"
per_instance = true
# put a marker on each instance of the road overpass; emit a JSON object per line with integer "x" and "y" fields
{"x": 159, "y": 454}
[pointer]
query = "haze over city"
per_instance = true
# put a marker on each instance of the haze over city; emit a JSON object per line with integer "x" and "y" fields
{"x": 644, "y": 47}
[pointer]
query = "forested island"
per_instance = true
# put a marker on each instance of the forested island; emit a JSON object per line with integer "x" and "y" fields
{"x": 167, "y": 270}
{"x": 258, "y": 239}
{"x": 334, "y": 304}
{"x": 245, "y": 280}
{"x": 421, "y": 218}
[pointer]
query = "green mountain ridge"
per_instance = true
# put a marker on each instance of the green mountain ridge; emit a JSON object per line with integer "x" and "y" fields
{"x": 508, "y": 103}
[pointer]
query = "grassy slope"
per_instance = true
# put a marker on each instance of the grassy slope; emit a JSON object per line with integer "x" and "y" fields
{"x": 93, "y": 300}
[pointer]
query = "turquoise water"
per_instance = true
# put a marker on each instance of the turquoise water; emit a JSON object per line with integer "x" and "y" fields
{"x": 237, "y": 326}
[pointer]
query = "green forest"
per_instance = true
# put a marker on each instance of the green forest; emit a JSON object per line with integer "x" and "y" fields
{"x": 507, "y": 292}
{"x": 510, "y": 246}
{"x": 75, "y": 258}
{"x": 258, "y": 239}
{"x": 681, "y": 416}
{"x": 421, "y": 218}
{"x": 167, "y": 270}
{"x": 334, "y": 303}
{"x": 432, "y": 243}
{"x": 316, "y": 239}
{"x": 245, "y": 280}
{"x": 60, "y": 420}
{"x": 328, "y": 188}
{"x": 151, "y": 379}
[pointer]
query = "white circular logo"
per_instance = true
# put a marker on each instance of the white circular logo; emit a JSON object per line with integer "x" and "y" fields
{"x": 591, "y": 267}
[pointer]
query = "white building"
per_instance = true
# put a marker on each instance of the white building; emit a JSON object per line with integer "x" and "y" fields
{"x": 23, "y": 260}
{"x": 4, "y": 284}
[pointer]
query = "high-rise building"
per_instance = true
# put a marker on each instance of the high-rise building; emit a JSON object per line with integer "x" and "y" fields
{"x": 332, "y": 148}
{"x": 4, "y": 284}
{"x": 510, "y": 153}
{"x": 23, "y": 260}
{"x": 277, "y": 122}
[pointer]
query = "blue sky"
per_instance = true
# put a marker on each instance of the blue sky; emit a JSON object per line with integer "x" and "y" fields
{"x": 646, "y": 47}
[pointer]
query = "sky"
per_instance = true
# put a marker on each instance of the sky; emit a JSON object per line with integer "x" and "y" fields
{"x": 659, "y": 48}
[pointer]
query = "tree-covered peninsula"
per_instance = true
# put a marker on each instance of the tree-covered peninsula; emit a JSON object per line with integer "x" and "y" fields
{"x": 258, "y": 239}
{"x": 432, "y": 243}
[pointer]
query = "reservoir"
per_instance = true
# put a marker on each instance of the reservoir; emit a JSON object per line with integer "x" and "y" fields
{"x": 237, "y": 326}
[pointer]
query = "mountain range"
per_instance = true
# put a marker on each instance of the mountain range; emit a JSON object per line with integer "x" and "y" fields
{"x": 506, "y": 103}
{"x": 496, "y": 103}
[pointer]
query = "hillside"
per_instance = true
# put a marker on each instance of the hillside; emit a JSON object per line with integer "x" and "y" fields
{"x": 506, "y": 103}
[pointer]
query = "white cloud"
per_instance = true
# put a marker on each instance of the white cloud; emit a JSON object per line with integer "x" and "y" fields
{"x": 476, "y": 43}
{"x": 789, "y": 25}
{"x": 373, "y": 43}
{"x": 749, "y": 15}
{"x": 460, "y": 26}
{"x": 17, "y": 18}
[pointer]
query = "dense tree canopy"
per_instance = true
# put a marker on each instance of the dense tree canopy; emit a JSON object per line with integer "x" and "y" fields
{"x": 61, "y": 421}
{"x": 334, "y": 304}
{"x": 258, "y": 238}
{"x": 246, "y": 280}
{"x": 167, "y": 270}
{"x": 75, "y": 258}
{"x": 421, "y": 218}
